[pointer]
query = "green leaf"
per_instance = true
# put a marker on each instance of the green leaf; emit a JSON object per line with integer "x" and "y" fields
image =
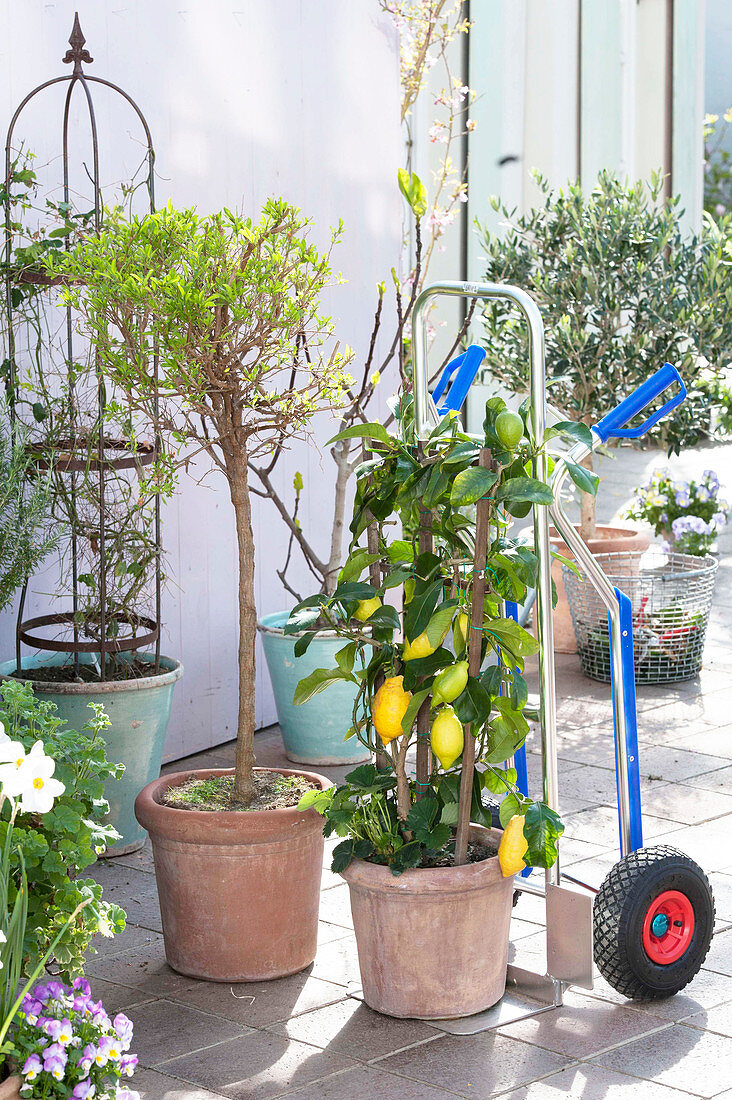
{"x": 542, "y": 829}
{"x": 470, "y": 485}
{"x": 437, "y": 486}
{"x": 346, "y": 656}
{"x": 503, "y": 740}
{"x": 474, "y": 704}
{"x": 417, "y": 669}
{"x": 514, "y": 637}
{"x": 318, "y": 681}
{"x": 410, "y": 714}
{"x": 354, "y": 567}
{"x": 363, "y": 431}
{"x": 573, "y": 429}
{"x": 421, "y": 816}
{"x": 386, "y": 617}
{"x": 302, "y": 643}
{"x": 352, "y": 591}
{"x": 584, "y": 479}
{"x": 527, "y": 489}
{"x": 304, "y": 615}
{"x": 511, "y": 805}
{"x": 496, "y": 780}
{"x": 400, "y": 550}
{"x": 420, "y": 608}
{"x": 348, "y": 850}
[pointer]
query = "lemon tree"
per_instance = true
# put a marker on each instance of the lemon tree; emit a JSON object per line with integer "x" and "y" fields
{"x": 409, "y": 656}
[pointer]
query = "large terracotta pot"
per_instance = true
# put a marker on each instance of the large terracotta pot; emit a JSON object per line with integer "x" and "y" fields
{"x": 10, "y": 1088}
{"x": 239, "y": 891}
{"x": 432, "y": 943}
{"x": 610, "y": 539}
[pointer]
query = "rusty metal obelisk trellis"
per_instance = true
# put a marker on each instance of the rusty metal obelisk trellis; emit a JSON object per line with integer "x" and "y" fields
{"x": 85, "y": 452}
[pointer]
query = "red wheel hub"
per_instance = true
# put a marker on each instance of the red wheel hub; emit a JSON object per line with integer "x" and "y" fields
{"x": 668, "y": 927}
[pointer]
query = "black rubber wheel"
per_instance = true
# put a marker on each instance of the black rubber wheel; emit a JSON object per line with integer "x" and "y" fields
{"x": 634, "y": 925}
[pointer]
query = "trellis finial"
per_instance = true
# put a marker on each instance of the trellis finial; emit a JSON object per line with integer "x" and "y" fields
{"x": 77, "y": 53}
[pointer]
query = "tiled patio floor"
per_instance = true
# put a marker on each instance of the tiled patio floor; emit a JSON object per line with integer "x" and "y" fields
{"x": 304, "y": 1036}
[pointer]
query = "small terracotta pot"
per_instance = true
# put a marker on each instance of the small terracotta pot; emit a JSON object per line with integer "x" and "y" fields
{"x": 432, "y": 943}
{"x": 239, "y": 891}
{"x": 10, "y": 1088}
{"x": 614, "y": 538}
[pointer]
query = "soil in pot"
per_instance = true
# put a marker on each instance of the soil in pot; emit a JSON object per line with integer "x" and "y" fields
{"x": 273, "y": 791}
{"x": 239, "y": 891}
{"x": 116, "y": 672}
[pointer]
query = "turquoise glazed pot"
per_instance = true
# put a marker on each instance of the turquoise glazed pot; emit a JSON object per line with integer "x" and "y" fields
{"x": 313, "y": 732}
{"x": 139, "y": 710}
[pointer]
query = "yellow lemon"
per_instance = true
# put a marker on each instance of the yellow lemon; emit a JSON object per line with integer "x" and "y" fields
{"x": 513, "y": 847}
{"x": 420, "y": 647}
{"x": 460, "y": 629}
{"x": 389, "y": 707}
{"x": 366, "y": 609}
{"x": 446, "y": 737}
{"x": 449, "y": 683}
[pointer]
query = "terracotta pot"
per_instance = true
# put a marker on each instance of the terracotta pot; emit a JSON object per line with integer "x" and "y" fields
{"x": 10, "y": 1088}
{"x": 239, "y": 891}
{"x": 610, "y": 539}
{"x": 432, "y": 943}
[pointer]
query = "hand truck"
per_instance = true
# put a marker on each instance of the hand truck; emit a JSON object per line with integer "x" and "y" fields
{"x": 649, "y": 926}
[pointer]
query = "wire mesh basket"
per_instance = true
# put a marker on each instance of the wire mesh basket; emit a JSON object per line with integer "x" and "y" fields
{"x": 671, "y": 596}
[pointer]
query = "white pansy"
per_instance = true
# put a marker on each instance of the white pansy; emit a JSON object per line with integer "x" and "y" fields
{"x": 38, "y": 787}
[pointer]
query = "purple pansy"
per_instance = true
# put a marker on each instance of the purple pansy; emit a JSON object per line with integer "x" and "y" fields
{"x": 123, "y": 1029}
{"x": 128, "y": 1064}
{"x": 32, "y": 1067}
{"x": 84, "y": 1090}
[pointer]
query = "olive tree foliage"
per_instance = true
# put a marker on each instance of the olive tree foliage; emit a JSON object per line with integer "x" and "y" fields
{"x": 224, "y": 305}
{"x": 621, "y": 291}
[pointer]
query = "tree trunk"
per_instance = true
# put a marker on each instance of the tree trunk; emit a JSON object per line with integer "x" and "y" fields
{"x": 244, "y": 763}
{"x": 588, "y": 513}
{"x": 335, "y": 559}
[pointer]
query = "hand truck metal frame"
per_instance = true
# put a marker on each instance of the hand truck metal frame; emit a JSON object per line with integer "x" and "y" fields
{"x": 569, "y": 912}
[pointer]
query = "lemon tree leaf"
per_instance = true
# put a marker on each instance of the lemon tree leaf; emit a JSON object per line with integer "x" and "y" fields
{"x": 542, "y": 829}
{"x": 470, "y": 485}
{"x": 410, "y": 714}
{"x": 318, "y": 681}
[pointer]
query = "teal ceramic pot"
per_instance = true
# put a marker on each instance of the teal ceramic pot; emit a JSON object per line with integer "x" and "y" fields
{"x": 139, "y": 710}
{"x": 313, "y": 733}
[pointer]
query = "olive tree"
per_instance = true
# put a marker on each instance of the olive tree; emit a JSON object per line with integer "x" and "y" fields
{"x": 621, "y": 290}
{"x": 200, "y": 323}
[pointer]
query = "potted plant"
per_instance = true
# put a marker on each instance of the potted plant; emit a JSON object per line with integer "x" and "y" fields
{"x": 430, "y": 878}
{"x": 101, "y": 644}
{"x": 227, "y": 302}
{"x": 616, "y": 301}
{"x": 688, "y": 514}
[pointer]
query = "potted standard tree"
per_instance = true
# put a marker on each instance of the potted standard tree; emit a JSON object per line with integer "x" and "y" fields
{"x": 621, "y": 290}
{"x": 420, "y": 851}
{"x": 227, "y": 302}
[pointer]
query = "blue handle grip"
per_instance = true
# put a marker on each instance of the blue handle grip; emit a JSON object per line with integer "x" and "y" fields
{"x": 612, "y": 424}
{"x": 466, "y": 366}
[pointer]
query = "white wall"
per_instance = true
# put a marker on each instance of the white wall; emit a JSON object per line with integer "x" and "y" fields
{"x": 245, "y": 99}
{"x": 718, "y": 78}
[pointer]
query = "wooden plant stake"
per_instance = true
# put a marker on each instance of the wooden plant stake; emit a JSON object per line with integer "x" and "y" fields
{"x": 482, "y": 523}
{"x": 423, "y": 714}
{"x": 372, "y": 536}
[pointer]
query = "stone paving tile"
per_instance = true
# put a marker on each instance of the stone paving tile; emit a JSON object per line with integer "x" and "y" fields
{"x": 585, "y": 1026}
{"x": 164, "y": 1030}
{"x": 677, "y": 802}
{"x": 117, "y": 998}
{"x": 591, "y": 1082}
{"x": 722, "y": 887}
{"x": 601, "y": 826}
{"x": 142, "y": 968}
{"x": 717, "y": 1019}
{"x": 476, "y": 1065}
{"x": 350, "y": 1027}
{"x": 133, "y": 937}
{"x": 682, "y": 1057}
{"x": 719, "y": 958}
{"x": 153, "y": 1085}
{"x": 337, "y": 962}
{"x": 713, "y": 742}
{"x": 258, "y": 1065}
{"x": 719, "y": 780}
{"x": 710, "y": 844}
{"x": 371, "y": 1082}
{"x": 675, "y": 765}
{"x": 134, "y": 890}
{"x": 335, "y": 906}
{"x": 142, "y": 860}
{"x": 258, "y": 1004}
{"x": 329, "y": 932}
